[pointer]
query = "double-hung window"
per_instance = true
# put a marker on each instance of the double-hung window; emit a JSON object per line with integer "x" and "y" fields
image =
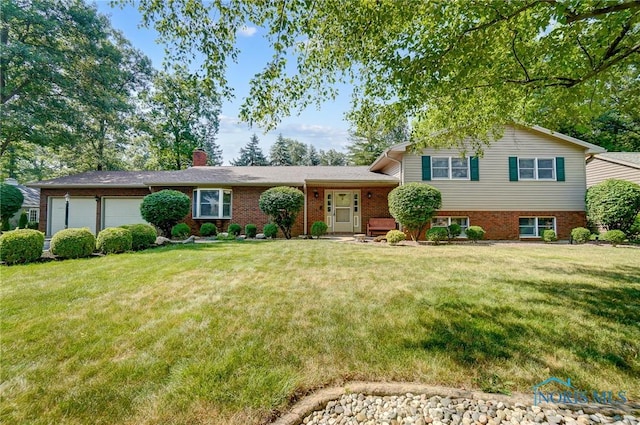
{"x": 536, "y": 169}
{"x": 450, "y": 168}
{"x": 534, "y": 227}
{"x": 212, "y": 203}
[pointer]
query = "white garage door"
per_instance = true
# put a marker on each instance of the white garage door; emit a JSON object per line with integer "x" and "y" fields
{"x": 82, "y": 213}
{"x": 119, "y": 211}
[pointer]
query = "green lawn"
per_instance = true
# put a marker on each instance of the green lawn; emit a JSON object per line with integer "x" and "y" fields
{"x": 229, "y": 332}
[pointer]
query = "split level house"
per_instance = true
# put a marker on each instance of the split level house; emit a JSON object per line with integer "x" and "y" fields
{"x": 530, "y": 180}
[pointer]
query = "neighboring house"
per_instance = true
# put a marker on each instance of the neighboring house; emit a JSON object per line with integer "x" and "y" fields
{"x": 613, "y": 165}
{"x": 528, "y": 181}
{"x": 31, "y": 203}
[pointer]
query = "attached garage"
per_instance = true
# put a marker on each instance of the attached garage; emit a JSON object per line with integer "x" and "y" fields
{"x": 120, "y": 211}
{"x": 82, "y": 213}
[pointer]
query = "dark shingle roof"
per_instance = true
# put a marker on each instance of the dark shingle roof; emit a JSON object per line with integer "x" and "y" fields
{"x": 228, "y": 175}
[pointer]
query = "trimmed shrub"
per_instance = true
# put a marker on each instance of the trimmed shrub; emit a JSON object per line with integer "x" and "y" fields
{"x": 73, "y": 243}
{"x": 634, "y": 232}
{"x": 319, "y": 228}
{"x": 251, "y": 230}
{"x": 270, "y": 230}
{"x": 282, "y": 204}
{"x": 24, "y": 220}
{"x": 549, "y": 236}
{"x": 11, "y": 200}
{"x": 234, "y": 229}
{"x": 33, "y": 225}
{"x": 114, "y": 240}
{"x": 395, "y": 236}
{"x": 613, "y": 204}
{"x": 475, "y": 233}
{"x": 181, "y": 231}
{"x": 437, "y": 234}
{"x": 413, "y": 205}
{"x": 580, "y": 235}
{"x": 453, "y": 231}
{"x": 165, "y": 209}
{"x": 614, "y": 236}
{"x": 21, "y": 246}
{"x": 142, "y": 235}
{"x": 208, "y": 229}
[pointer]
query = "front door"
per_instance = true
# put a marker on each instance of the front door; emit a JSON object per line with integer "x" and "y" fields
{"x": 342, "y": 207}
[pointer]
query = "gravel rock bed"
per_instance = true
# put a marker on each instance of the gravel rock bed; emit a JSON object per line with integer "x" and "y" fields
{"x": 410, "y": 409}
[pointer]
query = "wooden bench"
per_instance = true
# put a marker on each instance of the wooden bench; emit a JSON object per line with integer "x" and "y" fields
{"x": 380, "y": 225}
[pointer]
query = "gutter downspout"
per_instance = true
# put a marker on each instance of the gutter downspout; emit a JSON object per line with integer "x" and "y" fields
{"x": 304, "y": 186}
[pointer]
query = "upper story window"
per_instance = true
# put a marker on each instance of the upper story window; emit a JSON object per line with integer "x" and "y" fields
{"x": 450, "y": 168}
{"x": 212, "y": 203}
{"x": 536, "y": 169}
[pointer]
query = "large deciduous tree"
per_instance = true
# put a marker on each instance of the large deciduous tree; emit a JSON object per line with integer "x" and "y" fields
{"x": 182, "y": 116}
{"x": 459, "y": 68}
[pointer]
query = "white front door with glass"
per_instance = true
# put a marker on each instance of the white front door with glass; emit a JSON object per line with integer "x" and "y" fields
{"x": 342, "y": 210}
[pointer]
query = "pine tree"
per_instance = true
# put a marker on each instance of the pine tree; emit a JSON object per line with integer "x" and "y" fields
{"x": 251, "y": 154}
{"x": 312, "y": 157}
{"x": 279, "y": 153}
{"x": 332, "y": 157}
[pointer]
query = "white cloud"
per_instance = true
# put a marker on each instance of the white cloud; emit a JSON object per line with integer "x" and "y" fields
{"x": 246, "y": 31}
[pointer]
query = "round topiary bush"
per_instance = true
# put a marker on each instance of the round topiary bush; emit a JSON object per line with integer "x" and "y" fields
{"x": 413, "y": 205}
{"x": 614, "y": 236}
{"x": 580, "y": 235}
{"x": 475, "y": 233}
{"x": 21, "y": 246}
{"x": 142, "y": 235}
{"x": 234, "y": 229}
{"x": 270, "y": 230}
{"x": 549, "y": 236}
{"x": 73, "y": 243}
{"x": 454, "y": 230}
{"x": 251, "y": 230}
{"x": 208, "y": 229}
{"x": 319, "y": 228}
{"x": 395, "y": 236}
{"x": 181, "y": 231}
{"x": 165, "y": 208}
{"x": 437, "y": 234}
{"x": 114, "y": 240}
{"x": 282, "y": 204}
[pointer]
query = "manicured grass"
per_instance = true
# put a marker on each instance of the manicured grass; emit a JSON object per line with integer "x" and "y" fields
{"x": 229, "y": 332}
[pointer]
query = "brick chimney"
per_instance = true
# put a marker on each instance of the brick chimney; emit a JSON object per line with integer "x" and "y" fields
{"x": 199, "y": 158}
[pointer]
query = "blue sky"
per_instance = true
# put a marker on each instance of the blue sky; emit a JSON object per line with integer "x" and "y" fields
{"x": 325, "y": 128}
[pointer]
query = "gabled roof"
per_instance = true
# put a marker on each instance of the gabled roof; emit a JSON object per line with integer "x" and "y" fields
{"x": 589, "y": 147}
{"x": 227, "y": 175}
{"x": 630, "y": 159}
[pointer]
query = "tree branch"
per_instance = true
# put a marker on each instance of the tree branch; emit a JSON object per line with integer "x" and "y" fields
{"x": 573, "y": 17}
{"x": 515, "y": 54}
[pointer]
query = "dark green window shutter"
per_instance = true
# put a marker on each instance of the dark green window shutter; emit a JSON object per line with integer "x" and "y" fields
{"x": 426, "y": 167}
{"x": 559, "y": 168}
{"x": 475, "y": 169}
{"x": 513, "y": 168}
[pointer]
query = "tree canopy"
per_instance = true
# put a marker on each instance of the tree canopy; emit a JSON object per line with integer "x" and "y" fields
{"x": 251, "y": 154}
{"x": 459, "y": 69}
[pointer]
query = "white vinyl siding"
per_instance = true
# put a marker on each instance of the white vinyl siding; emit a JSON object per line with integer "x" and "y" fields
{"x": 494, "y": 191}
{"x": 599, "y": 170}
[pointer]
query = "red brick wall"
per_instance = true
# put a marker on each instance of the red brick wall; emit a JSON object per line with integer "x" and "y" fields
{"x": 504, "y": 225}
